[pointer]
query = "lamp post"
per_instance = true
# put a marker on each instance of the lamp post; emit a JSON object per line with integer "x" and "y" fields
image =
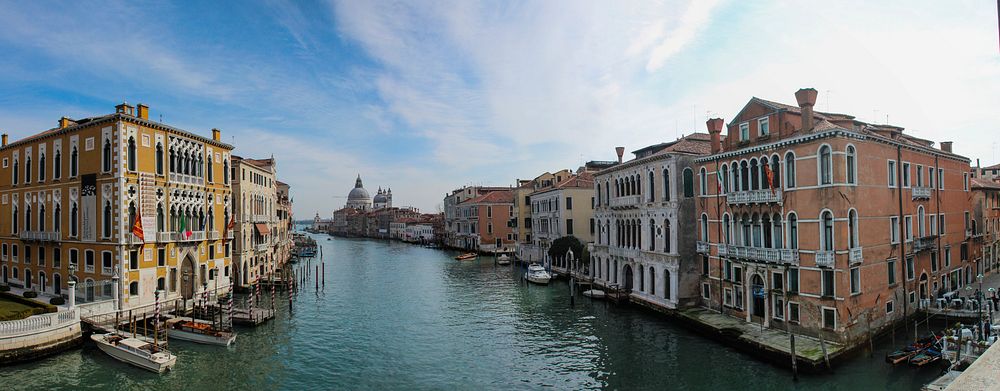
{"x": 979, "y": 319}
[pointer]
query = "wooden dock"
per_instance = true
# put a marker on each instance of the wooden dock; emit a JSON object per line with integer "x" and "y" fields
{"x": 252, "y": 316}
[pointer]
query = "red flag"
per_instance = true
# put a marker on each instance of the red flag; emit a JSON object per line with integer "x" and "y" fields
{"x": 137, "y": 229}
{"x": 229, "y": 226}
{"x": 770, "y": 177}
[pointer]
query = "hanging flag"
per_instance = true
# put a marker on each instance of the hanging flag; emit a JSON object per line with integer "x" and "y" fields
{"x": 137, "y": 228}
{"x": 770, "y": 177}
{"x": 229, "y": 227}
{"x": 184, "y": 231}
{"x": 718, "y": 180}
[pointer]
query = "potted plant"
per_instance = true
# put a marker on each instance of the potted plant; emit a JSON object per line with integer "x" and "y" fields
{"x": 30, "y": 294}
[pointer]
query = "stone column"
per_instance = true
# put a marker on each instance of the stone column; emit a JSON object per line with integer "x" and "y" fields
{"x": 72, "y": 293}
{"x": 116, "y": 288}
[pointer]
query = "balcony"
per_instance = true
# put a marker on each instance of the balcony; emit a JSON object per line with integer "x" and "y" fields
{"x": 760, "y": 254}
{"x": 632, "y": 201}
{"x": 856, "y": 255}
{"x": 213, "y": 235}
{"x": 924, "y": 243}
{"x": 107, "y": 270}
{"x": 762, "y": 196}
{"x": 624, "y": 252}
{"x": 920, "y": 193}
{"x": 40, "y": 236}
{"x": 261, "y": 247}
{"x": 164, "y": 237}
{"x": 825, "y": 258}
{"x": 703, "y": 247}
{"x": 723, "y": 249}
{"x": 186, "y": 179}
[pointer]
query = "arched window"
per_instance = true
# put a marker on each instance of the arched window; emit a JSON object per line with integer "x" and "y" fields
{"x": 851, "y": 171}
{"x": 666, "y": 284}
{"x": 74, "y": 162}
{"x": 131, "y": 216}
{"x": 652, "y": 188}
{"x": 642, "y": 278}
{"x": 13, "y": 219}
{"x": 159, "y": 158}
{"x": 825, "y": 165}
{"x": 666, "y": 184}
{"x": 793, "y": 231}
{"x": 173, "y": 160}
{"x": 57, "y": 219}
{"x": 133, "y": 288}
{"x": 826, "y": 222}
{"x": 744, "y": 176}
{"x": 754, "y": 170}
{"x": 789, "y": 170}
{"x": 921, "y": 217}
{"x": 666, "y": 236}
{"x": 775, "y": 172}
{"x": 598, "y": 192}
{"x": 131, "y": 154}
{"x": 160, "y": 219}
{"x": 74, "y": 219}
{"x": 27, "y": 218}
{"x": 688, "y": 182}
{"x": 225, "y": 172}
{"x": 735, "y": 177}
{"x": 57, "y": 165}
{"x": 607, "y": 192}
{"x": 107, "y": 219}
{"x": 652, "y": 281}
{"x": 211, "y": 173}
{"x": 726, "y": 234}
{"x": 41, "y": 217}
{"x": 15, "y": 172}
{"x": 704, "y": 227}
{"x": 725, "y": 178}
{"x": 652, "y": 234}
{"x": 765, "y": 224}
{"x": 638, "y": 184}
{"x": 106, "y": 156}
{"x": 703, "y": 179}
{"x": 27, "y": 169}
{"x": 852, "y": 221}
{"x": 41, "y": 167}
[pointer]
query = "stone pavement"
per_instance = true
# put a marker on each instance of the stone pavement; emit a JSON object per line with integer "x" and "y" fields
{"x": 983, "y": 374}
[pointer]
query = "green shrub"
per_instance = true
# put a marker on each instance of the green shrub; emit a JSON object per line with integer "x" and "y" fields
{"x": 57, "y": 301}
{"x": 4, "y": 288}
{"x": 30, "y": 294}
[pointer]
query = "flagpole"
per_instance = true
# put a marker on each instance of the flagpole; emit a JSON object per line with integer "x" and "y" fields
{"x": 718, "y": 215}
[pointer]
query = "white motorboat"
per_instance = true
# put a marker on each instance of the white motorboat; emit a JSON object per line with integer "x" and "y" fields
{"x": 538, "y": 275}
{"x": 595, "y": 294}
{"x": 135, "y": 351}
{"x": 503, "y": 260}
{"x": 198, "y": 331}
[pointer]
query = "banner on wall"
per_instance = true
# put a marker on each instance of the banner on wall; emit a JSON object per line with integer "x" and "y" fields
{"x": 88, "y": 207}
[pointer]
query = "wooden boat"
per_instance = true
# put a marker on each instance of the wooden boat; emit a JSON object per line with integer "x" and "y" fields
{"x": 595, "y": 294}
{"x": 538, "y": 275}
{"x": 925, "y": 357}
{"x": 466, "y": 256}
{"x": 503, "y": 260}
{"x": 909, "y": 351}
{"x": 198, "y": 331}
{"x": 135, "y": 351}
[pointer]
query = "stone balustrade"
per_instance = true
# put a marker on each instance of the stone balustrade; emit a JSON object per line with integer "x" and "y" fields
{"x": 624, "y": 252}
{"x": 632, "y": 201}
{"x": 760, "y": 254}
{"x": 825, "y": 258}
{"x": 762, "y": 196}
{"x": 38, "y": 323}
{"x": 703, "y": 247}
{"x": 856, "y": 255}
{"x": 920, "y": 193}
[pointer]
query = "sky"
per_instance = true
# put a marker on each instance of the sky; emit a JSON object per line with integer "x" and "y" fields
{"x": 427, "y": 96}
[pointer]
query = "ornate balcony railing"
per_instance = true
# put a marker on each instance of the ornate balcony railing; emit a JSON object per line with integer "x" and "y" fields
{"x": 626, "y": 201}
{"x": 825, "y": 258}
{"x": 41, "y": 236}
{"x": 920, "y": 192}
{"x": 723, "y": 249}
{"x": 262, "y": 247}
{"x": 760, "y": 254}
{"x": 856, "y": 255}
{"x": 213, "y": 235}
{"x": 624, "y": 252}
{"x": 761, "y": 196}
{"x": 703, "y": 247}
{"x": 164, "y": 237}
{"x": 924, "y": 243}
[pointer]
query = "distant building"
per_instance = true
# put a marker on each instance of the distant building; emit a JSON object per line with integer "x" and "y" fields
{"x": 564, "y": 208}
{"x": 451, "y": 236}
{"x": 986, "y": 223}
{"x": 482, "y": 222}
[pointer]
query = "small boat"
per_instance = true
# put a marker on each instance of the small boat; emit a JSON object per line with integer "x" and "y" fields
{"x": 135, "y": 351}
{"x": 595, "y": 294}
{"x": 538, "y": 275}
{"x": 503, "y": 260}
{"x": 466, "y": 256}
{"x": 198, "y": 331}
{"x": 925, "y": 357}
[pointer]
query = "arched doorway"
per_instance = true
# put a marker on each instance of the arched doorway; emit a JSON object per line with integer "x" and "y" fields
{"x": 56, "y": 284}
{"x": 757, "y": 284}
{"x": 923, "y": 286}
{"x": 187, "y": 278}
{"x": 246, "y": 274}
{"x": 27, "y": 279}
{"x": 627, "y": 272}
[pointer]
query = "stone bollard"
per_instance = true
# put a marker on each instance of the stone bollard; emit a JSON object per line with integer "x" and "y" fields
{"x": 72, "y": 293}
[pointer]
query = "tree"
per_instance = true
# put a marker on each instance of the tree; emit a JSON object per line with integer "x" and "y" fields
{"x": 559, "y": 247}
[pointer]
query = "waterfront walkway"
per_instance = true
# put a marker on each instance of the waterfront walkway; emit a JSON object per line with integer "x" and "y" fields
{"x": 772, "y": 340}
{"x": 982, "y": 374}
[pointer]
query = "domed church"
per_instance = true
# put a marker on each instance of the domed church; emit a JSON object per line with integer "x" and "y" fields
{"x": 358, "y": 198}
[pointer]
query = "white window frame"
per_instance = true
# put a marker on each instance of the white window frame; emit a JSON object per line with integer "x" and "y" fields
{"x": 893, "y": 229}
{"x": 906, "y": 175}
{"x": 798, "y": 312}
{"x": 892, "y": 180}
{"x": 940, "y": 179}
{"x": 908, "y": 227}
{"x": 822, "y": 312}
{"x": 744, "y": 129}
{"x": 855, "y": 273}
{"x": 778, "y": 305}
{"x": 763, "y": 123}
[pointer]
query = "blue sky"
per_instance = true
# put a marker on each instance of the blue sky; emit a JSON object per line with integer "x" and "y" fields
{"x": 428, "y": 96}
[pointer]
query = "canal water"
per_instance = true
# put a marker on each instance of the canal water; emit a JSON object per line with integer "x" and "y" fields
{"x": 394, "y": 316}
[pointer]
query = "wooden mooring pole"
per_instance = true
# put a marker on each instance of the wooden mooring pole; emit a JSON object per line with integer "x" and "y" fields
{"x": 324, "y": 273}
{"x": 317, "y": 280}
{"x": 795, "y": 367}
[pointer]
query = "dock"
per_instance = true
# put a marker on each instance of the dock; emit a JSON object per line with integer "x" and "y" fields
{"x": 252, "y": 316}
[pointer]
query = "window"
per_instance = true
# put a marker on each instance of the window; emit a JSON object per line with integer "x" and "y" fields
{"x": 704, "y": 265}
{"x": 652, "y": 235}
{"x": 908, "y": 227}
{"x": 852, "y": 228}
{"x": 909, "y": 267}
{"x": 827, "y": 220}
{"x": 931, "y": 179}
{"x": 941, "y": 224}
{"x": 855, "y": 280}
{"x": 666, "y": 236}
{"x": 133, "y": 288}
{"x": 793, "y": 312}
{"x": 74, "y": 218}
{"x": 965, "y": 181}
{"x": 161, "y": 284}
{"x": 688, "y": 185}
{"x": 74, "y": 162}
{"x": 828, "y": 286}
{"x": 106, "y": 156}
{"x": 921, "y": 218}
{"x": 825, "y": 165}
{"x": 906, "y": 174}
{"x": 131, "y": 154}
{"x": 27, "y": 169}
{"x": 56, "y": 257}
{"x": 704, "y": 227}
{"x": 652, "y": 188}
{"x": 888, "y": 307}
{"x": 159, "y": 159}
{"x": 106, "y": 261}
{"x": 763, "y": 127}
{"x": 851, "y": 172}
{"x": 73, "y": 256}
{"x": 569, "y": 226}
{"x": 706, "y": 291}
{"x": 777, "y": 282}
{"x": 744, "y": 131}
{"x": 829, "y": 318}
{"x": 793, "y": 231}
{"x": 779, "y": 308}
{"x": 41, "y": 167}
{"x": 919, "y": 178}
{"x": 891, "y": 270}
{"x": 666, "y": 185}
{"x": 892, "y": 173}
{"x": 15, "y": 172}
{"x": 107, "y": 219}
{"x": 569, "y": 203}
{"x": 934, "y": 262}
{"x": 947, "y": 256}
{"x": 703, "y": 181}
{"x": 57, "y": 165}
{"x": 789, "y": 170}
{"x": 894, "y": 229}
{"x": 940, "y": 179}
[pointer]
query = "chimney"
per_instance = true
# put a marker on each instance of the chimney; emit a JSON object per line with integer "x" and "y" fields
{"x": 620, "y": 151}
{"x": 216, "y": 134}
{"x": 143, "y": 111}
{"x": 806, "y": 98}
{"x": 63, "y": 123}
{"x": 4, "y": 136}
{"x": 946, "y": 146}
{"x": 715, "y": 130}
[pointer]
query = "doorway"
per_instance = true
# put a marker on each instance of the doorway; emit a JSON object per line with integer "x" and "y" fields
{"x": 757, "y": 284}
{"x": 627, "y": 271}
{"x": 187, "y": 278}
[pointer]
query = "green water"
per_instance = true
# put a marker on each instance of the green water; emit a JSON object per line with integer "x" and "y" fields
{"x": 394, "y": 316}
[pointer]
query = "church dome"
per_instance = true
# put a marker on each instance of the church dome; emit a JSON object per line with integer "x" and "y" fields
{"x": 358, "y": 193}
{"x": 380, "y": 198}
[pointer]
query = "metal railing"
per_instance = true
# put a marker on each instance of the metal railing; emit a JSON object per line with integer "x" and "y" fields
{"x": 626, "y": 201}
{"x": 825, "y": 258}
{"x": 761, "y": 196}
{"x": 775, "y": 255}
{"x": 856, "y": 255}
{"x": 920, "y": 192}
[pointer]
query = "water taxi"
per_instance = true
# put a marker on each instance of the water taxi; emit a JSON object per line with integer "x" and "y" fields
{"x": 142, "y": 354}
{"x": 538, "y": 275}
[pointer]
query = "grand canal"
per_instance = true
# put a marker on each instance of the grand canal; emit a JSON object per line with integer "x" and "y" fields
{"x": 397, "y": 316}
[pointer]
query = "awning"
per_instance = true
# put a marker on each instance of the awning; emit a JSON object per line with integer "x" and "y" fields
{"x": 262, "y": 228}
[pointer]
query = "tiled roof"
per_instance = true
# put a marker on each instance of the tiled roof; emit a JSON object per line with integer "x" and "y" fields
{"x": 993, "y": 167}
{"x": 493, "y": 197}
{"x": 694, "y": 143}
{"x": 984, "y": 184}
{"x": 584, "y": 180}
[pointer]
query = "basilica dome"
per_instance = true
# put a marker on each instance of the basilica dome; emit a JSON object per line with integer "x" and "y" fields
{"x": 359, "y": 198}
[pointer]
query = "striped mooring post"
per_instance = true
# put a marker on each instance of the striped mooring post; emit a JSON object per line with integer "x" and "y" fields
{"x": 156, "y": 319}
{"x": 232, "y": 292}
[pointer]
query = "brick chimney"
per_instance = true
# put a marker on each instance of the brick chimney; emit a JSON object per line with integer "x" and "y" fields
{"x": 216, "y": 134}
{"x": 63, "y": 123}
{"x": 946, "y": 146}
{"x": 4, "y": 136}
{"x": 715, "y": 130}
{"x": 620, "y": 151}
{"x": 143, "y": 111}
{"x": 806, "y": 98}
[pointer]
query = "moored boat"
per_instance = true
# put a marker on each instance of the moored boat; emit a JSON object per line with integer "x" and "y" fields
{"x": 925, "y": 357}
{"x": 538, "y": 275}
{"x": 595, "y": 294}
{"x": 503, "y": 260}
{"x": 198, "y": 331}
{"x": 466, "y": 256}
{"x": 134, "y": 351}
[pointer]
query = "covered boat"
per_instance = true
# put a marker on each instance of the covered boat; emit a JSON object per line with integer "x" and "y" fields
{"x": 538, "y": 275}
{"x": 199, "y": 331}
{"x": 503, "y": 259}
{"x": 596, "y": 294}
{"x": 135, "y": 351}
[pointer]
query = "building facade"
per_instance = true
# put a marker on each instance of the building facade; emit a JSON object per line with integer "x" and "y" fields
{"x": 72, "y": 195}
{"x": 454, "y": 221}
{"x": 986, "y": 222}
{"x": 825, "y": 224}
{"x": 564, "y": 208}
{"x": 482, "y": 222}
{"x": 256, "y": 225}
{"x": 645, "y": 217}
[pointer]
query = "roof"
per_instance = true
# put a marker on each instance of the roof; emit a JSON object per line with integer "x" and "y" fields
{"x": 993, "y": 167}
{"x": 493, "y": 197}
{"x": 984, "y": 184}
